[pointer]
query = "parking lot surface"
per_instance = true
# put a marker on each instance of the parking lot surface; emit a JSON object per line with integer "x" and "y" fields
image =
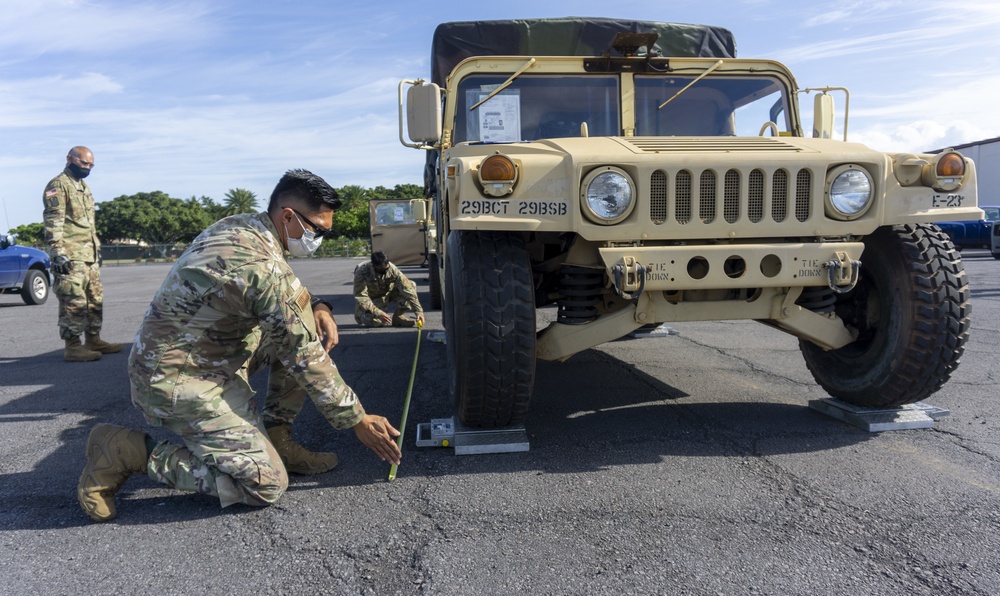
{"x": 681, "y": 464}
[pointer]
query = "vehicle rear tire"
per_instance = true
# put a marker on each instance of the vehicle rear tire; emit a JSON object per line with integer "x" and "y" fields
{"x": 434, "y": 276}
{"x": 36, "y": 287}
{"x": 912, "y": 309}
{"x": 996, "y": 255}
{"x": 490, "y": 328}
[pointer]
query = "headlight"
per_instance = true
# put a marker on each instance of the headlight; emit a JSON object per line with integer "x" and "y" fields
{"x": 607, "y": 195}
{"x": 849, "y": 192}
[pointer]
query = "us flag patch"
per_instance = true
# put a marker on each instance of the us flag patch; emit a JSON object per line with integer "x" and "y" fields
{"x": 51, "y": 192}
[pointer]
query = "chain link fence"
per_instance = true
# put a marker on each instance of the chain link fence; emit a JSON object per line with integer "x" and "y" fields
{"x": 130, "y": 254}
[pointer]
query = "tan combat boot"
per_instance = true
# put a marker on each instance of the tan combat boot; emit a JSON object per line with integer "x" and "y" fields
{"x": 113, "y": 454}
{"x": 95, "y": 343}
{"x": 78, "y": 353}
{"x": 297, "y": 458}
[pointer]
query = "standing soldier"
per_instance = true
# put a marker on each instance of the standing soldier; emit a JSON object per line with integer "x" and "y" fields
{"x": 72, "y": 238}
{"x": 377, "y": 285}
{"x": 231, "y": 305}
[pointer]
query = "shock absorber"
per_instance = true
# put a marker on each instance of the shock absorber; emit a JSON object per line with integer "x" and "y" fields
{"x": 580, "y": 290}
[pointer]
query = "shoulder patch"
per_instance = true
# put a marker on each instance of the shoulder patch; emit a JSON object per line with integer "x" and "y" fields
{"x": 51, "y": 192}
{"x": 303, "y": 299}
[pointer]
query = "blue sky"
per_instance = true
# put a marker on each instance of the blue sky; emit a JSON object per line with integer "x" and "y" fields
{"x": 197, "y": 97}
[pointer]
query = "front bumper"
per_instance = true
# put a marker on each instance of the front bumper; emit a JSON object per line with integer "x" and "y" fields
{"x": 729, "y": 266}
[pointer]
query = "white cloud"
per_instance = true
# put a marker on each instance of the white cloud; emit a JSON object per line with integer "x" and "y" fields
{"x": 68, "y": 26}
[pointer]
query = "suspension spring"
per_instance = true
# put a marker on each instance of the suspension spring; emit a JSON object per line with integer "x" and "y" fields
{"x": 580, "y": 290}
{"x": 817, "y": 299}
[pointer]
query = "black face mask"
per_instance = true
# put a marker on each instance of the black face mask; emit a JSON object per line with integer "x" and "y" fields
{"x": 78, "y": 172}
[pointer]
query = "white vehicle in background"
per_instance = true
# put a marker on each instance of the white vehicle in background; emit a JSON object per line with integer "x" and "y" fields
{"x": 995, "y": 240}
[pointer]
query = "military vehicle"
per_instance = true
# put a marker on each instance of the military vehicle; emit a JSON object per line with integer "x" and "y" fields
{"x": 629, "y": 173}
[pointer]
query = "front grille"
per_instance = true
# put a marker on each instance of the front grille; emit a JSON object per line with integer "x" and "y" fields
{"x": 675, "y": 197}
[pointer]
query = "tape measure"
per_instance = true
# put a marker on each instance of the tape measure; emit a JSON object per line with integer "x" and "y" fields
{"x": 406, "y": 404}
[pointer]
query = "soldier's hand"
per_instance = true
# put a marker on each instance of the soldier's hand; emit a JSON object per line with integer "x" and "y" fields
{"x": 385, "y": 317}
{"x": 326, "y": 326}
{"x": 420, "y": 320}
{"x": 62, "y": 264}
{"x": 377, "y": 434}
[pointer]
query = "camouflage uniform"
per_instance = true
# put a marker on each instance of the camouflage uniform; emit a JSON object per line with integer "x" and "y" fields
{"x": 373, "y": 293}
{"x": 70, "y": 231}
{"x": 230, "y": 305}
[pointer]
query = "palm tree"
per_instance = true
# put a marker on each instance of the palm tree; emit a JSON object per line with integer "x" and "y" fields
{"x": 240, "y": 200}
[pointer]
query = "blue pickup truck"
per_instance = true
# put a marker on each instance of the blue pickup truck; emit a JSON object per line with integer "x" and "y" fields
{"x": 973, "y": 233}
{"x": 24, "y": 270}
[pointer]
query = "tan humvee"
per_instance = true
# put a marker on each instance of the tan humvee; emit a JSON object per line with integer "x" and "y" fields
{"x": 629, "y": 186}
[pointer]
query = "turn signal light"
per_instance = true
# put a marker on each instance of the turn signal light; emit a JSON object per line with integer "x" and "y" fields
{"x": 946, "y": 172}
{"x": 951, "y": 165}
{"x": 497, "y": 175}
{"x": 497, "y": 168}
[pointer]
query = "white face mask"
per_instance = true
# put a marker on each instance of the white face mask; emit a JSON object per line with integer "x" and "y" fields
{"x": 304, "y": 246}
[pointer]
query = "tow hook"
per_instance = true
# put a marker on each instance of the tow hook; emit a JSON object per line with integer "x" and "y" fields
{"x": 630, "y": 278}
{"x": 843, "y": 273}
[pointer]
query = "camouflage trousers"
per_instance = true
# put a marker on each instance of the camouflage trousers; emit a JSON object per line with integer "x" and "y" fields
{"x": 81, "y": 300}
{"x": 226, "y": 451}
{"x": 403, "y": 306}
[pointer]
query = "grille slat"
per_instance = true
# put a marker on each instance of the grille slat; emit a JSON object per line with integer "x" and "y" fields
{"x": 658, "y": 197}
{"x": 756, "y": 196}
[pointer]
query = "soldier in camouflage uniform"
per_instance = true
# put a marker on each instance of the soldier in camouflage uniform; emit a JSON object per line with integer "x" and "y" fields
{"x": 72, "y": 239}
{"x": 230, "y": 305}
{"x": 377, "y": 285}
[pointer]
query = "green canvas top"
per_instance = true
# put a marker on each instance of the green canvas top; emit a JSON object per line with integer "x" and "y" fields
{"x": 570, "y": 36}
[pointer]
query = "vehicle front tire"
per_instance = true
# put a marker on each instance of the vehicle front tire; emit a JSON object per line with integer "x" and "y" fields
{"x": 36, "y": 287}
{"x": 912, "y": 309}
{"x": 489, "y": 328}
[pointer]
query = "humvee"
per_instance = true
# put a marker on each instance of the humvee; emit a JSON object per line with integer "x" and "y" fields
{"x": 630, "y": 173}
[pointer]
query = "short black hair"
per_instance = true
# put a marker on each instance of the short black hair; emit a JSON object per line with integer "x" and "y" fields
{"x": 304, "y": 186}
{"x": 379, "y": 259}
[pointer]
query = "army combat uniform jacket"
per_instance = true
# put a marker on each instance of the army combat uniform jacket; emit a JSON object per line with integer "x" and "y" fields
{"x": 373, "y": 292}
{"x": 229, "y": 296}
{"x": 69, "y": 219}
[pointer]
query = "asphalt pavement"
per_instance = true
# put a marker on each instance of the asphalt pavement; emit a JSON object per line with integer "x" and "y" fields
{"x": 680, "y": 464}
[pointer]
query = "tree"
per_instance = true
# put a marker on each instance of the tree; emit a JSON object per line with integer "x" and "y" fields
{"x": 400, "y": 191}
{"x": 32, "y": 234}
{"x": 240, "y": 200}
{"x": 351, "y": 219}
{"x": 152, "y": 217}
{"x": 214, "y": 210}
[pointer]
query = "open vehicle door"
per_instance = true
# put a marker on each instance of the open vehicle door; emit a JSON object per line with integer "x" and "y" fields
{"x": 397, "y": 229}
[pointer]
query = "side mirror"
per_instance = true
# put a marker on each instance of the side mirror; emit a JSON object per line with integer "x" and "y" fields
{"x": 6, "y": 241}
{"x": 423, "y": 114}
{"x": 418, "y": 207}
{"x": 823, "y": 116}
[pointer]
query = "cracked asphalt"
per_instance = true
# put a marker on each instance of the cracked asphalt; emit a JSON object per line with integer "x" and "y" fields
{"x": 682, "y": 464}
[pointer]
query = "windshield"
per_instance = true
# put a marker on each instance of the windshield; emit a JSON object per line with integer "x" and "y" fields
{"x": 537, "y": 107}
{"x": 714, "y": 106}
{"x": 553, "y": 106}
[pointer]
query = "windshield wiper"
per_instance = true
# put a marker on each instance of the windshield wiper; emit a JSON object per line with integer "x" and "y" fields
{"x": 505, "y": 84}
{"x": 700, "y": 77}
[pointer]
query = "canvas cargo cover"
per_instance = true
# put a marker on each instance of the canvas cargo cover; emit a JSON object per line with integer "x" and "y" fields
{"x": 570, "y": 36}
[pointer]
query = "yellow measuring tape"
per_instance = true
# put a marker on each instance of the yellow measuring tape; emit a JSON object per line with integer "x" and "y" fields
{"x": 406, "y": 404}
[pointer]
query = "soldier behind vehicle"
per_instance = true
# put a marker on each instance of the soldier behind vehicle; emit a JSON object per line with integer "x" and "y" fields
{"x": 379, "y": 284}
{"x": 76, "y": 254}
